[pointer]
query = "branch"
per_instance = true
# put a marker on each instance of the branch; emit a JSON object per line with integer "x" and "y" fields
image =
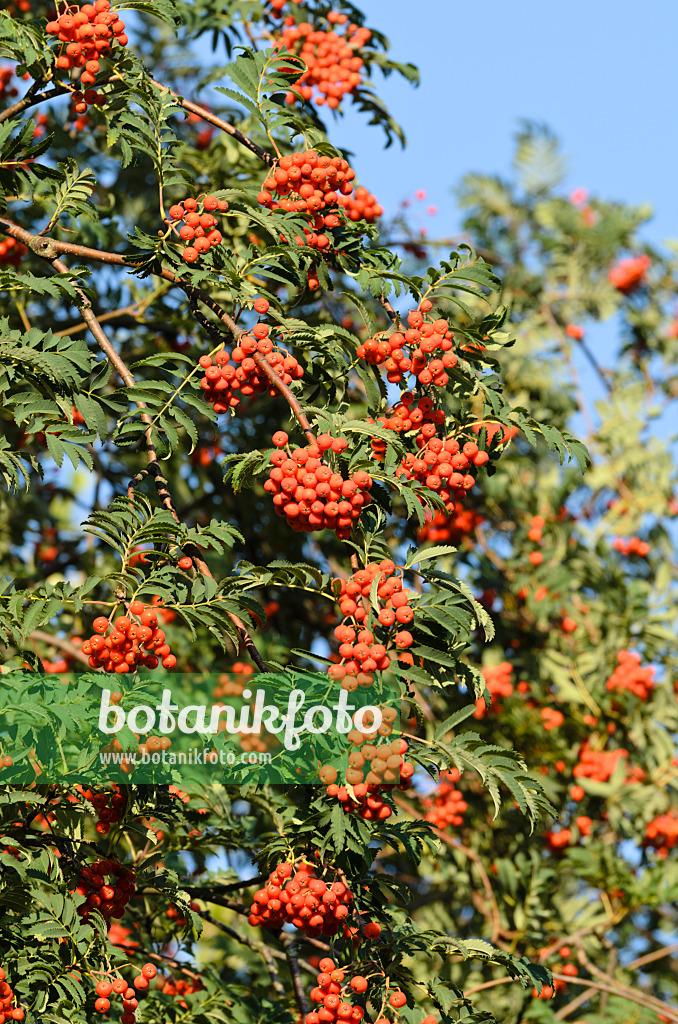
{"x": 261, "y": 948}
{"x": 218, "y": 122}
{"x": 61, "y": 644}
{"x": 31, "y": 99}
{"x": 475, "y": 859}
{"x": 47, "y": 248}
{"x": 295, "y": 971}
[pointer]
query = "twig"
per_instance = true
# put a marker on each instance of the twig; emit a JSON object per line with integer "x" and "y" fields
{"x": 61, "y": 644}
{"x": 295, "y": 971}
{"x": 47, "y": 252}
{"x": 455, "y": 844}
{"x": 261, "y": 948}
{"x": 218, "y": 122}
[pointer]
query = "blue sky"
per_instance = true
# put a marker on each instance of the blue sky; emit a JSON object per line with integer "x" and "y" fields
{"x": 602, "y": 74}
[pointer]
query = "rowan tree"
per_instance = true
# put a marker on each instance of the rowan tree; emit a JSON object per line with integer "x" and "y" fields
{"x": 257, "y": 432}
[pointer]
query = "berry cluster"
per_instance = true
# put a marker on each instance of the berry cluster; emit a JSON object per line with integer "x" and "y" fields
{"x": 223, "y": 378}
{"x": 233, "y": 683}
{"x": 632, "y": 546}
{"x": 105, "y": 988}
{"x": 551, "y": 718}
{"x": 407, "y": 416}
{"x": 8, "y": 1012}
{"x": 446, "y": 806}
{"x": 109, "y": 897}
{"x": 629, "y": 675}
{"x": 110, "y": 806}
{"x": 450, "y": 527}
{"x": 498, "y": 681}
{"x": 444, "y": 467}
{"x": 318, "y": 186}
{"x": 598, "y": 765}
{"x": 333, "y": 64}
{"x": 386, "y": 770}
{"x": 328, "y": 993}
{"x": 662, "y": 833}
{"x": 11, "y": 252}
{"x": 535, "y": 535}
{"x": 626, "y": 275}
{"x": 309, "y": 493}
{"x": 199, "y": 224}
{"x": 423, "y": 350}
{"x": 383, "y": 764}
{"x": 361, "y": 653}
{"x": 300, "y": 898}
{"x": 126, "y": 645}
{"x": 87, "y": 34}
{"x": 179, "y": 988}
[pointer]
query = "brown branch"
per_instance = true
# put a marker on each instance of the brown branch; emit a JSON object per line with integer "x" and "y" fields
{"x": 218, "y": 122}
{"x": 621, "y": 987}
{"x": 47, "y": 248}
{"x": 455, "y": 844}
{"x": 295, "y": 971}
{"x": 648, "y": 958}
{"x": 61, "y": 644}
{"x": 261, "y": 948}
{"x": 633, "y": 997}
{"x": 31, "y": 99}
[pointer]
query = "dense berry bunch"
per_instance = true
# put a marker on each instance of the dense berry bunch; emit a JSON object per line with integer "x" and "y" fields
{"x": 87, "y": 34}
{"x": 498, "y": 681}
{"x": 302, "y": 899}
{"x": 629, "y": 273}
{"x": 386, "y": 769}
{"x": 597, "y": 765}
{"x": 11, "y": 252}
{"x": 662, "y": 833}
{"x": 130, "y": 643}
{"x": 630, "y": 675}
{"x": 225, "y": 381}
{"x": 328, "y": 993}
{"x": 365, "y": 801}
{"x": 450, "y": 527}
{"x": 109, "y": 806}
{"x": 107, "y": 887}
{"x": 446, "y": 806}
{"x": 632, "y": 546}
{"x": 309, "y": 493}
{"x": 308, "y": 183}
{"x": 444, "y": 466}
{"x": 9, "y": 1010}
{"x": 199, "y": 224}
{"x": 333, "y": 64}
{"x": 407, "y": 416}
{"x": 423, "y": 350}
{"x": 360, "y": 651}
{"x": 379, "y": 764}
{"x": 180, "y": 987}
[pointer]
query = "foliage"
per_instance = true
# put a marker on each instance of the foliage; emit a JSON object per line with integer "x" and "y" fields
{"x": 528, "y": 869}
